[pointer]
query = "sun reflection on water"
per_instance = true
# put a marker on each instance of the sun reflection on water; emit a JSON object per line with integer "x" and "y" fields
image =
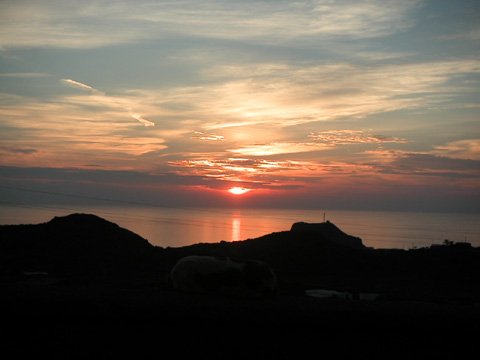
{"x": 236, "y": 228}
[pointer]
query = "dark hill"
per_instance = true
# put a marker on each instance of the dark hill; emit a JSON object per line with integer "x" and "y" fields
{"x": 307, "y": 256}
{"x": 108, "y": 285}
{"x": 297, "y": 257}
{"x": 309, "y": 259}
{"x": 330, "y": 232}
{"x": 77, "y": 244}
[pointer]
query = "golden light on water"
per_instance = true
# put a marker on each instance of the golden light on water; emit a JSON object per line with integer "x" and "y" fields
{"x": 236, "y": 228}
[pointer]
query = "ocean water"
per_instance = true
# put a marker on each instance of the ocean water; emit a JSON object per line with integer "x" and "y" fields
{"x": 176, "y": 227}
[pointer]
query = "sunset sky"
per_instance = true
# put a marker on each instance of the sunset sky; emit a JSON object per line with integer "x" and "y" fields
{"x": 314, "y": 104}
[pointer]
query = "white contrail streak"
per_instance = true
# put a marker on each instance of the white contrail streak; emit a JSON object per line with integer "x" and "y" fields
{"x": 79, "y": 85}
{"x": 105, "y": 99}
{"x": 142, "y": 120}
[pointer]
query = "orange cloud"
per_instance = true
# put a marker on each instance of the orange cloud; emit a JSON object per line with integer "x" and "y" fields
{"x": 207, "y": 137}
{"x": 106, "y": 100}
{"x": 276, "y": 148}
{"x": 335, "y": 137}
{"x": 463, "y": 149}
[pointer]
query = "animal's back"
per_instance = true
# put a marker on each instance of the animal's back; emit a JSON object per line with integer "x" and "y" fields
{"x": 200, "y": 274}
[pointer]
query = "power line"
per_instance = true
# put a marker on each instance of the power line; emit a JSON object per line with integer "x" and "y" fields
{"x": 92, "y": 198}
{"x": 171, "y": 220}
{"x": 203, "y": 223}
{"x": 127, "y": 202}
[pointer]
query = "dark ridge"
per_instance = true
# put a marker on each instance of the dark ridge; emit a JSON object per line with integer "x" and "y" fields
{"x": 330, "y": 232}
{"x": 79, "y": 280}
{"x": 82, "y": 246}
{"x": 76, "y": 244}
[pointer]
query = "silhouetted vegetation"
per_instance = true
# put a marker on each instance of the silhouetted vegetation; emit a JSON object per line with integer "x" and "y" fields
{"x": 82, "y": 266}
{"x": 87, "y": 248}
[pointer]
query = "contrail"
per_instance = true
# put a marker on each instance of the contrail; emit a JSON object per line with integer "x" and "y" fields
{"x": 142, "y": 120}
{"x": 81, "y": 86}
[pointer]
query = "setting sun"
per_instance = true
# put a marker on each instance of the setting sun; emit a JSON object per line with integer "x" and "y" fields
{"x": 238, "y": 190}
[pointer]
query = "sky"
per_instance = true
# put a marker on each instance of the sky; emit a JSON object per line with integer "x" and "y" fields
{"x": 310, "y": 104}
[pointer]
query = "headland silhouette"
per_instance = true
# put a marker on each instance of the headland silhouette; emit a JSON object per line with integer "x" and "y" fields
{"x": 83, "y": 269}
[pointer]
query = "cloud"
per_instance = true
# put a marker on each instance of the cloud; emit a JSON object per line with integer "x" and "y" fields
{"x": 86, "y": 25}
{"x": 400, "y": 163}
{"x": 14, "y": 150}
{"x": 257, "y": 172}
{"x": 79, "y": 85}
{"x": 102, "y": 98}
{"x": 462, "y": 149}
{"x": 121, "y": 144}
{"x": 277, "y": 148}
{"x": 100, "y": 176}
{"x": 473, "y": 34}
{"x": 425, "y": 162}
{"x": 71, "y": 132}
{"x": 24, "y": 75}
{"x": 247, "y": 170}
{"x": 324, "y": 140}
{"x": 142, "y": 120}
{"x": 345, "y": 137}
{"x": 90, "y": 186}
{"x": 292, "y": 94}
{"x": 199, "y": 135}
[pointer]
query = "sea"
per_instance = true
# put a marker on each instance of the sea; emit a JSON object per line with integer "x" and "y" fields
{"x": 177, "y": 227}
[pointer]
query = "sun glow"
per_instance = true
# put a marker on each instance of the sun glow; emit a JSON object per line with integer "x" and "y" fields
{"x": 238, "y": 190}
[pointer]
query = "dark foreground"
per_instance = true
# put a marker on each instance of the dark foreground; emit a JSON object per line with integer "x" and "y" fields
{"x": 120, "y": 302}
{"x": 65, "y": 316}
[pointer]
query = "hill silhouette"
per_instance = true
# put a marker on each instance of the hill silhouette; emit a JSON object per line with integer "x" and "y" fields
{"x": 331, "y": 232}
{"x": 82, "y": 269}
{"x": 84, "y": 246}
{"x": 78, "y": 244}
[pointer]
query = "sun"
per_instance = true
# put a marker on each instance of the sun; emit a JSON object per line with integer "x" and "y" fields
{"x": 238, "y": 190}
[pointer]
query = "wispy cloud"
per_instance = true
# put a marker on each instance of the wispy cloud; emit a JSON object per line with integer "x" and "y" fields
{"x": 342, "y": 137}
{"x": 105, "y": 99}
{"x": 402, "y": 163}
{"x": 24, "y": 75}
{"x": 277, "y": 94}
{"x": 121, "y": 144}
{"x": 277, "y": 148}
{"x": 81, "y": 86}
{"x": 72, "y": 25}
{"x": 294, "y": 94}
{"x": 430, "y": 165}
{"x": 251, "y": 171}
{"x": 142, "y": 120}
{"x": 66, "y": 132}
{"x": 462, "y": 149}
{"x": 200, "y": 135}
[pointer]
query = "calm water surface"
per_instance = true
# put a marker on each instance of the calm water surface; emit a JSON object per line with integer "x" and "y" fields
{"x": 179, "y": 227}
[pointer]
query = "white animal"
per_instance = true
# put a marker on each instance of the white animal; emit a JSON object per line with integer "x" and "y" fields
{"x": 225, "y": 276}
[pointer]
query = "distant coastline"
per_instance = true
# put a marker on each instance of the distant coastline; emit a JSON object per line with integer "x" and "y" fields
{"x": 81, "y": 278}
{"x": 180, "y": 227}
{"x": 308, "y": 254}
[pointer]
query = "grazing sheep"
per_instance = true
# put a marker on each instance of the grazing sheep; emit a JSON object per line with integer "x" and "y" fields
{"x": 225, "y": 276}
